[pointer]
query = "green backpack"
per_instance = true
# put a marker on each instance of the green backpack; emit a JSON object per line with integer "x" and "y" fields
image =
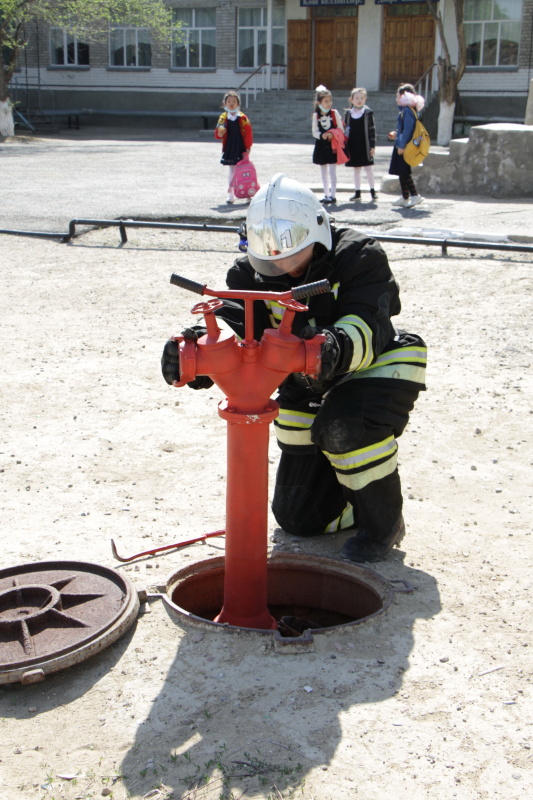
{"x": 417, "y": 149}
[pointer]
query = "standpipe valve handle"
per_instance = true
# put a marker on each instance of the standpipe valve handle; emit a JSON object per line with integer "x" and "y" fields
{"x": 298, "y": 293}
{"x": 310, "y": 289}
{"x": 186, "y": 283}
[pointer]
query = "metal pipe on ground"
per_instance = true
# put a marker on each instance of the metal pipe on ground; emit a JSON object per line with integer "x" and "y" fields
{"x": 445, "y": 243}
{"x": 122, "y": 224}
{"x": 35, "y": 234}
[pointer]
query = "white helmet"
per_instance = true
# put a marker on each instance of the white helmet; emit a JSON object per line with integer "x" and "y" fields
{"x": 284, "y": 218}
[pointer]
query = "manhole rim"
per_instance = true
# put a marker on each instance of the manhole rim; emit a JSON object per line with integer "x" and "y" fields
{"x": 386, "y": 591}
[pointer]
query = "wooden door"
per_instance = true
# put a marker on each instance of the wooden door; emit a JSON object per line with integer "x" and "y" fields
{"x": 322, "y": 51}
{"x": 299, "y": 53}
{"x": 324, "y": 48}
{"x": 345, "y": 53}
{"x": 408, "y": 49}
{"x": 335, "y": 52}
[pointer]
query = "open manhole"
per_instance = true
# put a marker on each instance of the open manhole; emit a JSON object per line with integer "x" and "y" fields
{"x": 306, "y": 595}
{"x": 55, "y": 614}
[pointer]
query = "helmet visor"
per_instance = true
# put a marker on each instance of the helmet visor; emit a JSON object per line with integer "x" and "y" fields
{"x": 271, "y": 241}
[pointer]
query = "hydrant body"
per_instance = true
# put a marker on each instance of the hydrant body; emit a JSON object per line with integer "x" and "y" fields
{"x": 248, "y": 372}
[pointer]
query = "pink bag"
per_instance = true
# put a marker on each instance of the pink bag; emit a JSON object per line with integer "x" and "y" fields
{"x": 244, "y": 182}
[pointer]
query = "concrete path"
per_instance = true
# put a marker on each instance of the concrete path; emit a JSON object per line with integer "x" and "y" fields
{"x": 109, "y": 173}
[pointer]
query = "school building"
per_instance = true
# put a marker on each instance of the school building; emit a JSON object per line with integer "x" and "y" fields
{"x": 280, "y": 45}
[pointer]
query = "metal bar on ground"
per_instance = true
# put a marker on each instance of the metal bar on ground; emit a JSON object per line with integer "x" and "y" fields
{"x": 122, "y": 224}
{"x": 154, "y": 550}
{"x": 445, "y": 243}
{"x": 36, "y": 234}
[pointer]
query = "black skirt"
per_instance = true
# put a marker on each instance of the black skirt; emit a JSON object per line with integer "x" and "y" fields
{"x": 357, "y": 145}
{"x": 234, "y": 147}
{"x": 324, "y": 153}
{"x": 398, "y": 166}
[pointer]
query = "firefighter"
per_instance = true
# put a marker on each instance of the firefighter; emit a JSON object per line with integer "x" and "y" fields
{"x": 337, "y": 432}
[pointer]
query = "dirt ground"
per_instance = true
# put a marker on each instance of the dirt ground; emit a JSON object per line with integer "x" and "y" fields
{"x": 430, "y": 699}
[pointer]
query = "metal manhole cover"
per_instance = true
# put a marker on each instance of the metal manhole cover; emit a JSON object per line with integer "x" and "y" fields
{"x": 58, "y": 613}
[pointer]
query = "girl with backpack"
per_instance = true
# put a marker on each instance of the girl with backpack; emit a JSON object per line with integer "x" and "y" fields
{"x": 324, "y": 122}
{"x": 407, "y": 99}
{"x": 361, "y": 132}
{"x": 235, "y": 130}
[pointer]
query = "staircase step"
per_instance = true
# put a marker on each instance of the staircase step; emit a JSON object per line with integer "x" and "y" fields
{"x": 286, "y": 114}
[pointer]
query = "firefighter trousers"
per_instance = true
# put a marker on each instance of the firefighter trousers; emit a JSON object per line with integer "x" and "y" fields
{"x": 338, "y": 466}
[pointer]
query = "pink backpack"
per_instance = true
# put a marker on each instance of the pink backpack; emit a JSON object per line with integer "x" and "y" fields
{"x": 244, "y": 182}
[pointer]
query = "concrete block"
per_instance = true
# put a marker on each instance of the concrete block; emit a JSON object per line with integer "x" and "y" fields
{"x": 390, "y": 184}
{"x": 495, "y": 161}
{"x": 458, "y": 148}
{"x": 432, "y": 161}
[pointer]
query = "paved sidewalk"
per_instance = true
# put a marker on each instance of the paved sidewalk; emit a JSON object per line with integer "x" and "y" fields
{"x": 108, "y": 173}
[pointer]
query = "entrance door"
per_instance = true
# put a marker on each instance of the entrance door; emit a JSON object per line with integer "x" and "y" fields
{"x": 324, "y": 68}
{"x": 345, "y": 55}
{"x": 408, "y": 44}
{"x": 330, "y": 59}
{"x": 335, "y": 52}
{"x": 299, "y": 53}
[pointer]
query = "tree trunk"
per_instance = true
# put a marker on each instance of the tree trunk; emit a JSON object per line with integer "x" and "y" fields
{"x": 447, "y": 96}
{"x": 7, "y": 125}
{"x": 445, "y": 129}
{"x": 449, "y": 75}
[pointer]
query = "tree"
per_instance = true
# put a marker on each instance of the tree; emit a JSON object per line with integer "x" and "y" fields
{"x": 89, "y": 20}
{"x": 449, "y": 74}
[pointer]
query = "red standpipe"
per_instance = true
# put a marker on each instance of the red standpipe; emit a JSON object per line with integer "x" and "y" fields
{"x": 248, "y": 372}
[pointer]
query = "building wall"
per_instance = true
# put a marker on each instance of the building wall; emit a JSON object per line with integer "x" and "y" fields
{"x": 493, "y": 91}
{"x": 159, "y": 87}
{"x": 162, "y": 87}
{"x": 293, "y": 10}
{"x": 369, "y": 36}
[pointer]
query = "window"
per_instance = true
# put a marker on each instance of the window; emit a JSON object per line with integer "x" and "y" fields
{"x": 253, "y": 36}
{"x": 334, "y": 11}
{"x": 408, "y": 10}
{"x": 67, "y": 50}
{"x": 130, "y": 47}
{"x": 492, "y": 32}
{"x": 195, "y": 47}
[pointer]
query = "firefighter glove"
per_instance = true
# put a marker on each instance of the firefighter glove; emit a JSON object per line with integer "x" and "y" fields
{"x": 332, "y": 354}
{"x": 170, "y": 361}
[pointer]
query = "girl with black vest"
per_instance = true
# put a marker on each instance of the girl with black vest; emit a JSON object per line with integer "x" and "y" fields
{"x": 361, "y": 133}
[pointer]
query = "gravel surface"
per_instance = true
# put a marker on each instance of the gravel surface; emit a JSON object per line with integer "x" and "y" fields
{"x": 432, "y": 698}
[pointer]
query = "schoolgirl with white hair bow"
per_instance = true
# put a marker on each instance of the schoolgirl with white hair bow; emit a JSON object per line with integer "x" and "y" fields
{"x": 324, "y": 121}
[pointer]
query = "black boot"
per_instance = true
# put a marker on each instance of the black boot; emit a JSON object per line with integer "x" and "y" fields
{"x": 363, "y": 547}
{"x": 373, "y": 194}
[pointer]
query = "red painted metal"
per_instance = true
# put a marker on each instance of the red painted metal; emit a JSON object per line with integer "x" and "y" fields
{"x": 155, "y": 550}
{"x": 248, "y": 372}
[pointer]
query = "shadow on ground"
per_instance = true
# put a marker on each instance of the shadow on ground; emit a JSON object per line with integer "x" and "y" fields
{"x": 234, "y": 715}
